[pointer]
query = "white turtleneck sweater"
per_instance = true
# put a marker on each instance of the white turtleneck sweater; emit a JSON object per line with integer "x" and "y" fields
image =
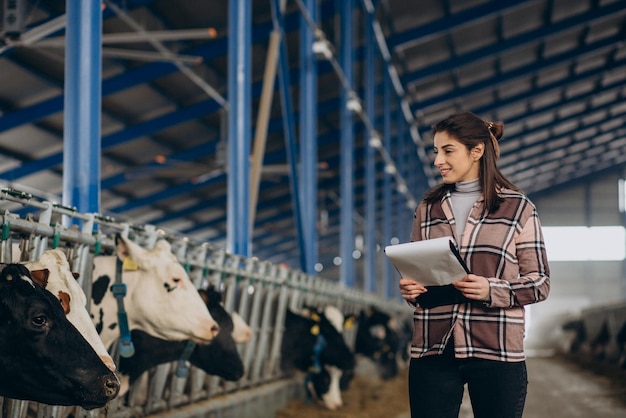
{"x": 464, "y": 196}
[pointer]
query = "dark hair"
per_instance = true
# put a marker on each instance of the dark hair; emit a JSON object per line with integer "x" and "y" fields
{"x": 471, "y": 130}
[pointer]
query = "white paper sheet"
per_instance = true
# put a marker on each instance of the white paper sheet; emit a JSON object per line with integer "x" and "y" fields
{"x": 430, "y": 262}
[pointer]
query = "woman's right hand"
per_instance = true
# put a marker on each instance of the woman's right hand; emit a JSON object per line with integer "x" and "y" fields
{"x": 410, "y": 289}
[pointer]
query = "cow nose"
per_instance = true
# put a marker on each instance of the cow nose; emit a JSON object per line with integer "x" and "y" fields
{"x": 248, "y": 335}
{"x": 215, "y": 329}
{"x": 111, "y": 386}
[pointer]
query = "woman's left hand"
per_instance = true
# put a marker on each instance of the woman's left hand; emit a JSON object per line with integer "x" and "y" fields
{"x": 473, "y": 287}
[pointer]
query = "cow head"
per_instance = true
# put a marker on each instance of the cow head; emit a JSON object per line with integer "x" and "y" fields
{"x": 43, "y": 357}
{"x": 313, "y": 343}
{"x": 54, "y": 268}
{"x": 219, "y": 358}
{"x": 160, "y": 300}
{"x": 377, "y": 339}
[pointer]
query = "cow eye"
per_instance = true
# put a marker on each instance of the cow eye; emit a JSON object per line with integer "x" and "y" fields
{"x": 40, "y": 320}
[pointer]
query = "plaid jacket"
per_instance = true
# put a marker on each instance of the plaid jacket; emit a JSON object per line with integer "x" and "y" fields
{"x": 506, "y": 247}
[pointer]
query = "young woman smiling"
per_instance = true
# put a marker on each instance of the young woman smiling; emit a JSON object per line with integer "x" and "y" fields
{"x": 476, "y": 337}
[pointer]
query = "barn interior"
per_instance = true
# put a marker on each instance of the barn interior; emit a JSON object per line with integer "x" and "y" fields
{"x": 384, "y": 72}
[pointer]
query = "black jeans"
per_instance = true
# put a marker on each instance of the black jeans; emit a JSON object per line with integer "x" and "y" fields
{"x": 497, "y": 389}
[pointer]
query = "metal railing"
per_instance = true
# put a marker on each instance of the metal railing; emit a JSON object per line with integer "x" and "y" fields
{"x": 259, "y": 291}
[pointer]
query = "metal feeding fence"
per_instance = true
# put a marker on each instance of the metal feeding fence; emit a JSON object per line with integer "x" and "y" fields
{"x": 259, "y": 291}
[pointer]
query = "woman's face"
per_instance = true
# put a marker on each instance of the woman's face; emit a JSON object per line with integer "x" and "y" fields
{"x": 455, "y": 162}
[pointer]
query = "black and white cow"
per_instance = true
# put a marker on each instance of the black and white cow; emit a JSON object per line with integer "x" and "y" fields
{"x": 313, "y": 343}
{"x": 43, "y": 357}
{"x": 219, "y": 358}
{"x": 53, "y": 268}
{"x": 160, "y": 297}
{"x": 378, "y": 340}
{"x": 620, "y": 339}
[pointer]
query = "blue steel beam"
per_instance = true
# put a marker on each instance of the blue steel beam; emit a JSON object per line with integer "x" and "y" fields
{"x": 572, "y": 132}
{"x": 129, "y": 133}
{"x": 270, "y": 217}
{"x": 277, "y": 201}
{"x": 308, "y": 138}
{"x": 370, "y": 270}
{"x": 81, "y": 143}
{"x": 149, "y": 72}
{"x": 191, "y": 154}
{"x": 239, "y": 132}
{"x": 452, "y": 21}
{"x": 127, "y": 80}
{"x": 388, "y": 270}
{"x": 301, "y": 217}
{"x": 555, "y": 28}
{"x": 330, "y": 237}
{"x": 588, "y": 75}
{"x": 491, "y": 83}
{"x": 581, "y": 77}
{"x": 346, "y": 137}
{"x": 329, "y": 137}
{"x": 148, "y": 127}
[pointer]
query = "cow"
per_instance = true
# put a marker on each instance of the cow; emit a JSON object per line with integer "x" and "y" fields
{"x": 576, "y": 330}
{"x": 377, "y": 339}
{"x": 313, "y": 343}
{"x": 600, "y": 343}
{"x": 219, "y": 358}
{"x": 620, "y": 339}
{"x": 54, "y": 268}
{"x": 160, "y": 298}
{"x": 43, "y": 357}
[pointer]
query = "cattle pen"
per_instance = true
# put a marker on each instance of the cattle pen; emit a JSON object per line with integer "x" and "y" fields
{"x": 260, "y": 292}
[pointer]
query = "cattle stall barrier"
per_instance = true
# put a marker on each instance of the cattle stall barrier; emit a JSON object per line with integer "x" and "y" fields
{"x": 259, "y": 291}
{"x": 598, "y": 334}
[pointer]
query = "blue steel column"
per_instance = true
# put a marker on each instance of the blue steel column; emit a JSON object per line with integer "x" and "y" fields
{"x": 308, "y": 138}
{"x": 290, "y": 136}
{"x": 387, "y": 195}
{"x": 371, "y": 257}
{"x": 239, "y": 135}
{"x": 347, "y": 146}
{"x": 404, "y": 222}
{"x": 81, "y": 117}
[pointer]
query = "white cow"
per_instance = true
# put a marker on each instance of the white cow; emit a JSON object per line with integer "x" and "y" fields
{"x": 62, "y": 283}
{"x": 160, "y": 299}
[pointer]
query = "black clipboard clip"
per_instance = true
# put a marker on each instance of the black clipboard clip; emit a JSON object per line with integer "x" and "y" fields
{"x": 457, "y": 254}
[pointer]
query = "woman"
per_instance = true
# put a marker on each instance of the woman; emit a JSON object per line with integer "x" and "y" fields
{"x": 476, "y": 337}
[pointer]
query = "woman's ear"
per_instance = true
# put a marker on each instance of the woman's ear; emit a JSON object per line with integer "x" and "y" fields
{"x": 478, "y": 151}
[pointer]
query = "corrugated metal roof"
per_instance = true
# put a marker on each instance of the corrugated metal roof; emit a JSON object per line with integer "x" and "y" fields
{"x": 554, "y": 71}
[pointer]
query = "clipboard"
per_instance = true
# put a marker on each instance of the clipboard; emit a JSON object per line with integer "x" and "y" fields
{"x": 434, "y": 262}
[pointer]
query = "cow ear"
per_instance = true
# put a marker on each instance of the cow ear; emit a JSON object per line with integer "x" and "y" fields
{"x": 348, "y": 322}
{"x": 204, "y": 296}
{"x": 65, "y": 299}
{"x": 40, "y": 277}
{"x": 128, "y": 250}
{"x": 121, "y": 247}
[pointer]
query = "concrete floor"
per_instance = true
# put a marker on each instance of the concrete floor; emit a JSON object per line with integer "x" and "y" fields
{"x": 558, "y": 388}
